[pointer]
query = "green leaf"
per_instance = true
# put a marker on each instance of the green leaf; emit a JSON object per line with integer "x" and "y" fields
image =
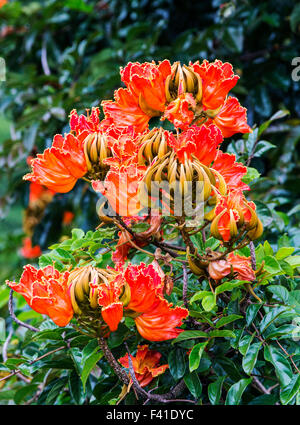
{"x": 272, "y": 266}
{"x": 288, "y": 392}
{"x": 251, "y": 313}
{"x": 244, "y": 343}
{"x": 77, "y": 234}
{"x": 195, "y": 355}
{"x": 76, "y": 388}
{"x": 199, "y": 296}
{"x": 280, "y": 292}
{"x": 193, "y": 383}
{"x": 56, "y": 390}
{"x": 251, "y": 175}
{"x": 229, "y": 286}
{"x": 250, "y": 358}
{"x": 281, "y": 364}
{"x": 293, "y": 261}
{"x": 222, "y": 334}
{"x": 90, "y": 356}
{"x": 209, "y": 302}
{"x": 190, "y": 335}
{"x": 227, "y": 319}
{"x": 284, "y": 252}
{"x": 236, "y": 391}
{"x": 271, "y": 317}
{"x": 215, "y": 390}
{"x": 23, "y": 392}
{"x": 177, "y": 363}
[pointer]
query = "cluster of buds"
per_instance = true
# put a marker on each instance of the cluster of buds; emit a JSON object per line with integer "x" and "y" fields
{"x": 84, "y": 284}
{"x": 152, "y": 145}
{"x": 95, "y": 152}
{"x": 234, "y": 217}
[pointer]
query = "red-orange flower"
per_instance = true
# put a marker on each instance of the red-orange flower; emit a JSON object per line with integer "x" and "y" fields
{"x": 89, "y": 123}
{"x": 121, "y": 188}
{"x": 144, "y": 96}
{"x": 158, "y": 321}
{"x": 29, "y": 251}
{"x": 138, "y": 292}
{"x": 108, "y": 297}
{"x": 38, "y": 191}
{"x": 241, "y": 266}
{"x": 232, "y": 171}
{"x": 68, "y": 218}
{"x": 2, "y": 3}
{"x": 218, "y": 79}
{"x": 201, "y": 142}
{"x": 145, "y": 364}
{"x": 232, "y": 118}
{"x": 181, "y": 111}
{"x": 46, "y": 292}
{"x": 237, "y": 264}
{"x": 232, "y": 210}
{"x": 60, "y": 166}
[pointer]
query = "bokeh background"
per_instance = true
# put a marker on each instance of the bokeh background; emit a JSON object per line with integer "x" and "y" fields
{"x": 65, "y": 54}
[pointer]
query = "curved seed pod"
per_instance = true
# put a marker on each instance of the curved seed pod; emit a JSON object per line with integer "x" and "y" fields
{"x": 254, "y": 219}
{"x": 196, "y": 269}
{"x": 256, "y": 232}
{"x": 126, "y": 295}
{"x": 95, "y": 152}
{"x": 222, "y": 186}
{"x": 210, "y": 215}
{"x": 214, "y": 230}
{"x": 75, "y": 306}
{"x": 232, "y": 225}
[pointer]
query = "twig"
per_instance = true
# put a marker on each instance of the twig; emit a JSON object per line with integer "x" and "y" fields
{"x": 253, "y": 258}
{"x": 17, "y": 371}
{"x": 5, "y": 345}
{"x": 256, "y": 382}
{"x": 13, "y": 316}
{"x": 185, "y": 286}
{"x": 289, "y": 356}
{"x": 121, "y": 374}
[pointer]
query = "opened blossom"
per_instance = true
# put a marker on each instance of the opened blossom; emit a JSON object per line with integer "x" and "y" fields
{"x": 231, "y": 171}
{"x": 60, "y": 166}
{"x": 145, "y": 364}
{"x": 156, "y": 319}
{"x": 46, "y": 292}
{"x": 198, "y": 142}
{"x": 232, "y": 118}
{"x": 232, "y": 211}
{"x": 237, "y": 265}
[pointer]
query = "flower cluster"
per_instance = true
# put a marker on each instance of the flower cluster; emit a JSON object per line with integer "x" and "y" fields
{"x": 124, "y": 158}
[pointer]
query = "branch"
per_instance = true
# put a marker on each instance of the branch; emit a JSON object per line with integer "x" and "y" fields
{"x": 13, "y": 316}
{"x": 185, "y": 286}
{"x": 121, "y": 374}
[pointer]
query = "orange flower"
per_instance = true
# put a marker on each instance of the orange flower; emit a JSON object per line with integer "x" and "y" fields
{"x": 46, "y": 292}
{"x": 138, "y": 292}
{"x": 68, "y": 218}
{"x": 181, "y": 111}
{"x": 60, "y": 166}
{"x": 202, "y": 142}
{"x": 38, "y": 191}
{"x": 232, "y": 171}
{"x": 218, "y": 79}
{"x": 145, "y": 364}
{"x": 232, "y": 211}
{"x": 124, "y": 145}
{"x": 237, "y": 264}
{"x": 241, "y": 266}
{"x": 29, "y": 251}
{"x": 2, "y": 3}
{"x": 80, "y": 123}
{"x": 109, "y": 298}
{"x": 232, "y": 118}
{"x": 121, "y": 188}
{"x": 144, "y": 97}
{"x": 158, "y": 321}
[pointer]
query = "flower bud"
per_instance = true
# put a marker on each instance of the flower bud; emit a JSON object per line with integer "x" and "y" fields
{"x": 95, "y": 152}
